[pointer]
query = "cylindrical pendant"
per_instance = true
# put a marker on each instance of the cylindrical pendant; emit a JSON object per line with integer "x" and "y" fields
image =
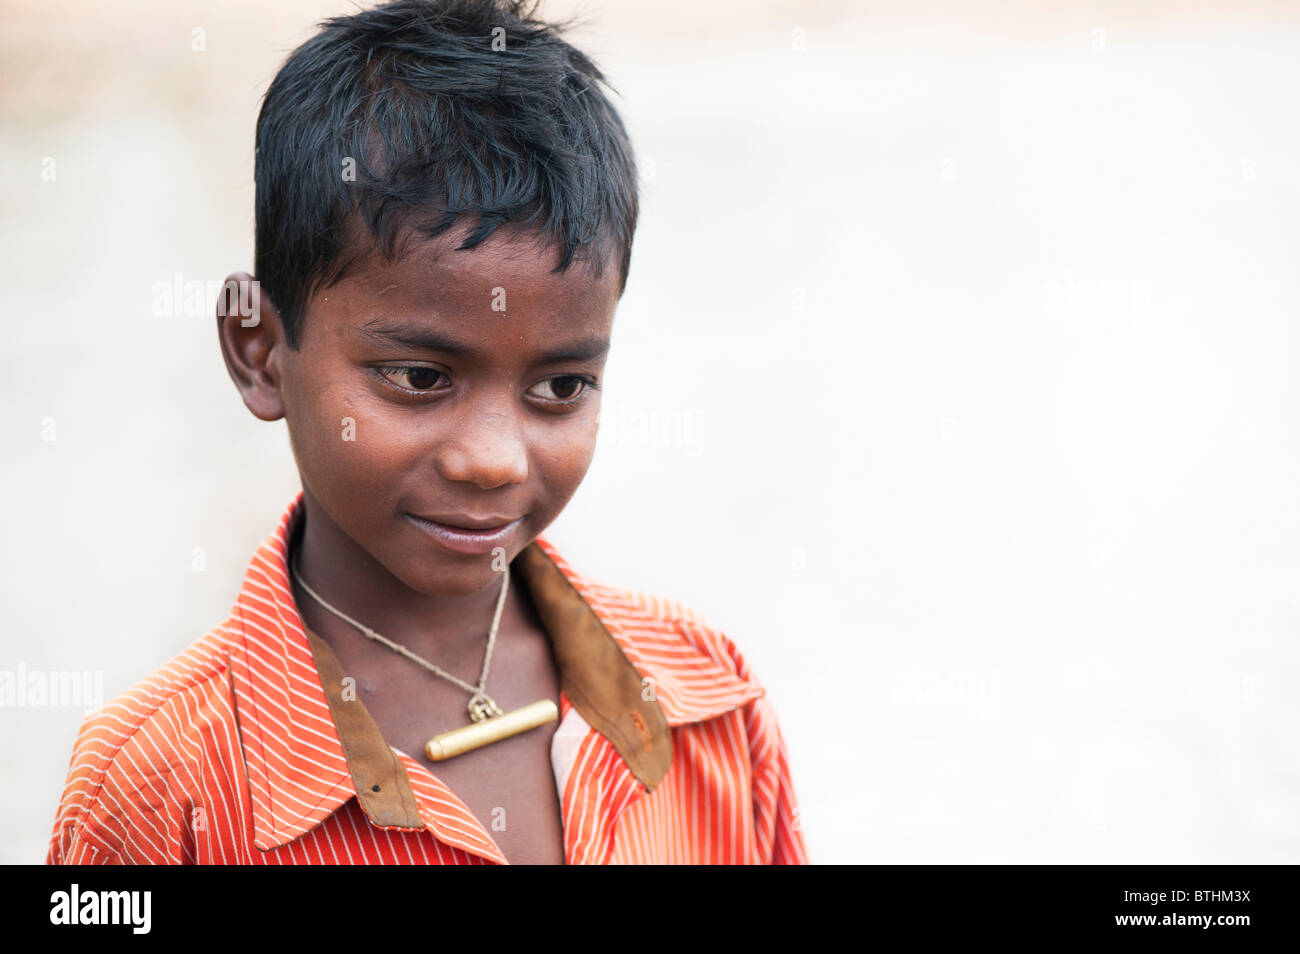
{"x": 445, "y": 745}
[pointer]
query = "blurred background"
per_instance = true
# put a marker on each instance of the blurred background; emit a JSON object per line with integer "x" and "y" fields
{"x": 959, "y": 349}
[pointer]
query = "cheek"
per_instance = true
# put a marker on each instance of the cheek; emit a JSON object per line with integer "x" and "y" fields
{"x": 344, "y": 445}
{"x": 563, "y": 455}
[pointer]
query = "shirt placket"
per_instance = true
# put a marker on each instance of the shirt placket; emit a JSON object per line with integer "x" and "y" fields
{"x": 448, "y": 818}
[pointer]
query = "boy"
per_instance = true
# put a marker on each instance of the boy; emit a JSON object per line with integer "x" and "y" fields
{"x": 445, "y": 205}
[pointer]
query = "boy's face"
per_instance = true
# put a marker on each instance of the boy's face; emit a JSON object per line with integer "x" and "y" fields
{"x": 450, "y": 384}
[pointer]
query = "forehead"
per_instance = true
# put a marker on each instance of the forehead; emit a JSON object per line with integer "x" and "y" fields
{"x": 506, "y": 279}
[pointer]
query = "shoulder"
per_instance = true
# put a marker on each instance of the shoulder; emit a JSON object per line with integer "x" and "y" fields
{"x": 189, "y": 678}
{"x": 685, "y": 625}
{"x": 693, "y": 667}
{"x": 713, "y": 676}
{"x": 127, "y": 751}
{"x": 697, "y": 667}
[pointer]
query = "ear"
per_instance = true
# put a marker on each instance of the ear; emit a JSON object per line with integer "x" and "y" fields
{"x": 252, "y": 343}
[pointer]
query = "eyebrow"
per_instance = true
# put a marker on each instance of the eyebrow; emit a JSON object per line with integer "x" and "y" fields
{"x": 414, "y": 336}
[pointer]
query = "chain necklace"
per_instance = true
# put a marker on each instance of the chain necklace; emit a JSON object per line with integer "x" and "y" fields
{"x": 488, "y": 723}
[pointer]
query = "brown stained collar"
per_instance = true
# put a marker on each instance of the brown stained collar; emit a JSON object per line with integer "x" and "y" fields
{"x": 383, "y": 789}
{"x": 595, "y": 675}
{"x": 594, "y": 672}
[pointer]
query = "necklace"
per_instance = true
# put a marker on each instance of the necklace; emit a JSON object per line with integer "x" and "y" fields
{"x": 488, "y": 723}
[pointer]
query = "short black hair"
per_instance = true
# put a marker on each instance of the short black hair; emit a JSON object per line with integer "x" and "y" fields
{"x": 446, "y": 109}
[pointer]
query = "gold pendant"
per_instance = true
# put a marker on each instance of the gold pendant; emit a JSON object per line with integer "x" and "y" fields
{"x": 490, "y": 729}
{"x": 482, "y": 707}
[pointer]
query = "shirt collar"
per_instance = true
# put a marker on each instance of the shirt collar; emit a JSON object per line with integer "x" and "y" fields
{"x": 631, "y": 668}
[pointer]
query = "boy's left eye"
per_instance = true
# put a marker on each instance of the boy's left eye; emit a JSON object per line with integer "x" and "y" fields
{"x": 566, "y": 388}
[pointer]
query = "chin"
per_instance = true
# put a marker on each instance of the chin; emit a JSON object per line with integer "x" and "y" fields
{"x": 451, "y": 574}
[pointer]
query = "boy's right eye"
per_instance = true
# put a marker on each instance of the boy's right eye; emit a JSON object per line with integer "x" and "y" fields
{"x": 414, "y": 378}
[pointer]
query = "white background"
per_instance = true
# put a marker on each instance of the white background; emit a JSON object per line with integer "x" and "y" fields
{"x": 955, "y": 380}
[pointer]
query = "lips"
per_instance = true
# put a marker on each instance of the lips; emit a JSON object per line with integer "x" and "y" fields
{"x": 479, "y": 535}
{"x": 462, "y": 522}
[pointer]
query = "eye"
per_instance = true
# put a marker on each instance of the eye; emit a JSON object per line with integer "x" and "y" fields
{"x": 415, "y": 378}
{"x": 565, "y": 388}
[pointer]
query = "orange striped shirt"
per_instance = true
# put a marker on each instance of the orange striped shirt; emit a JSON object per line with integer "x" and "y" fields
{"x": 236, "y": 751}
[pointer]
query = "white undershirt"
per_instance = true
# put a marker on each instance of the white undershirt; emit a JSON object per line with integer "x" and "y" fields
{"x": 573, "y": 728}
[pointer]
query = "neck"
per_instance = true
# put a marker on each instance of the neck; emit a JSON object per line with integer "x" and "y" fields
{"x": 443, "y": 628}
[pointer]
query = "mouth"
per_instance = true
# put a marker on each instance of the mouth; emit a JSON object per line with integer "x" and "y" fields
{"x": 463, "y": 534}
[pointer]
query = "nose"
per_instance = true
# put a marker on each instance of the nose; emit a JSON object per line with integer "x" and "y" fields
{"x": 487, "y": 450}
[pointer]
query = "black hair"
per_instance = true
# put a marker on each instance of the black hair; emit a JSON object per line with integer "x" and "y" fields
{"x": 447, "y": 109}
